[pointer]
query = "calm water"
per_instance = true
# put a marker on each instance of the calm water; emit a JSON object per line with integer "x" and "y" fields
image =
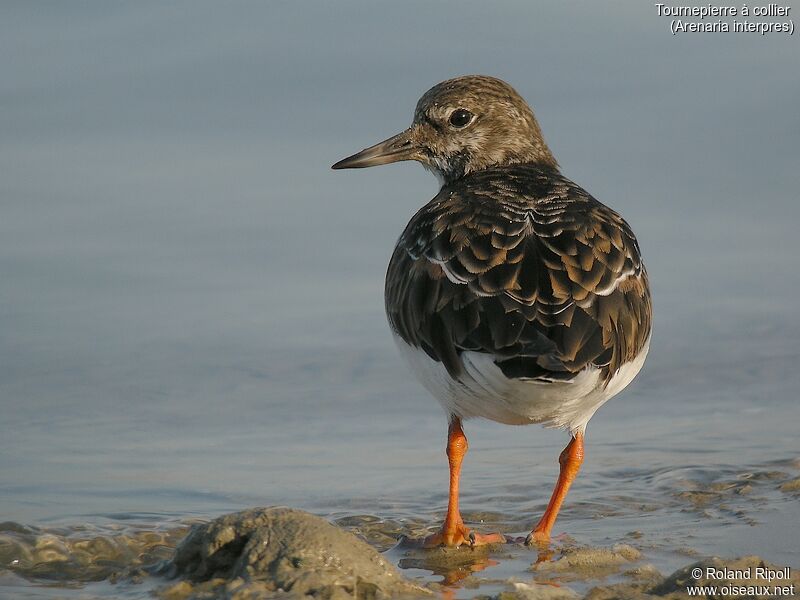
{"x": 191, "y": 313}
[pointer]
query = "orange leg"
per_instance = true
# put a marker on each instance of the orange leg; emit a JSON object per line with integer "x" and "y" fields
{"x": 453, "y": 531}
{"x": 570, "y": 461}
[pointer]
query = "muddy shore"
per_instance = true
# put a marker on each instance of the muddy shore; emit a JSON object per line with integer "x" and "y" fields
{"x": 288, "y": 553}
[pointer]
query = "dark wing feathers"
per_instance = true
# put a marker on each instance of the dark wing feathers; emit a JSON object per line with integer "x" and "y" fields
{"x": 522, "y": 264}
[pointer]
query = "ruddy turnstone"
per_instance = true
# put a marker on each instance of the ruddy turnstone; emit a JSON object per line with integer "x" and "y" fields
{"x": 514, "y": 295}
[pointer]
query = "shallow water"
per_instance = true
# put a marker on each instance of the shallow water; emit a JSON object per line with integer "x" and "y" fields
{"x": 191, "y": 306}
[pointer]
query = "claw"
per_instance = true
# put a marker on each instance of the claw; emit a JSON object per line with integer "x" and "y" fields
{"x": 538, "y": 539}
{"x": 472, "y": 539}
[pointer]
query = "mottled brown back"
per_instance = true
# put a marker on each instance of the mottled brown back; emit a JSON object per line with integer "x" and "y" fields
{"x": 523, "y": 264}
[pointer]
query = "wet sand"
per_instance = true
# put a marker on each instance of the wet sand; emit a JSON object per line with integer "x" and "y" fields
{"x": 255, "y": 553}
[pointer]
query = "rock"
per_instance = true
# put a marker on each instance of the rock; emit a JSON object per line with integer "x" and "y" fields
{"x": 791, "y": 486}
{"x": 535, "y": 591}
{"x": 589, "y": 563}
{"x": 645, "y": 574}
{"x": 620, "y": 591}
{"x": 272, "y": 550}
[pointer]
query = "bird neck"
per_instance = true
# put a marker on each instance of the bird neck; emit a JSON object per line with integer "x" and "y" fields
{"x": 459, "y": 166}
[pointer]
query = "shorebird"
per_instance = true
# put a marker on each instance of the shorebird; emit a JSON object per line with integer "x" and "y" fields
{"x": 514, "y": 295}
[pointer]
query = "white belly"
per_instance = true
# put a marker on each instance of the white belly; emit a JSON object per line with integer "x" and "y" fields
{"x": 484, "y": 391}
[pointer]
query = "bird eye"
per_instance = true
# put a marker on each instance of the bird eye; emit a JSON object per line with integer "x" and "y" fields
{"x": 460, "y": 117}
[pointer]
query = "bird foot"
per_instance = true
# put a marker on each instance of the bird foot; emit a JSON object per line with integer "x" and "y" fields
{"x": 460, "y": 535}
{"x": 537, "y": 538}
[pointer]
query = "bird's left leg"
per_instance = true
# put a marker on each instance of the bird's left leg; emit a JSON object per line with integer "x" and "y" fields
{"x": 453, "y": 531}
{"x": 570, "y": 463}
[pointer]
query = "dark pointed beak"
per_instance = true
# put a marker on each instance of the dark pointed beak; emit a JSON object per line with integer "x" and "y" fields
{"x": 396, "y": 148}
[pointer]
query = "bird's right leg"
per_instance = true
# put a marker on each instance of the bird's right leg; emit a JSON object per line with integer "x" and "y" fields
{"x": 453, "y": 531}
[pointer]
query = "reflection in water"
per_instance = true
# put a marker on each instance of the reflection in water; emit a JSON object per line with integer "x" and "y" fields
{"x": 455, "y": 564}
{"x": 452, "y": 568}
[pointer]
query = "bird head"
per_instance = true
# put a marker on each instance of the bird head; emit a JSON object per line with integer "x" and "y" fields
{"x": 460, "y": 126}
